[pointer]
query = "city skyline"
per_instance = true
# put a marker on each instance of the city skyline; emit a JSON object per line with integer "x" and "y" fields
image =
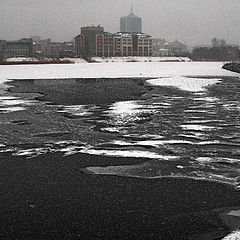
{"x": 192, "y": 22}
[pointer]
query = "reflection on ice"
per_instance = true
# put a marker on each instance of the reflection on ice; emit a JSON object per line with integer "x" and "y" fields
{"x": 128, "y": 111}
{"x": 125, "y": 108}
{"x": 125, "y": 114}
{"x": 78, "y": 110}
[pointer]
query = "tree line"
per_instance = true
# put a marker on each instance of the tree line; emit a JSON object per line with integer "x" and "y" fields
{"x": 218, "y": 51}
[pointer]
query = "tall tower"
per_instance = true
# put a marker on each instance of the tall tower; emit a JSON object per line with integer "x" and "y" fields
{"x": 131, "y": 23}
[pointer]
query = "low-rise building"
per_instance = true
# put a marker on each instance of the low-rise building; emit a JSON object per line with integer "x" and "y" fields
{"x": 22, "y": 47}
{"x": 162, "y": 48}
{"x": 176, "y": 48}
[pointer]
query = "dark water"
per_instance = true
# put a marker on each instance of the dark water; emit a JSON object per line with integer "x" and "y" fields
{"x": 163, "y": 132}
{"x": 179, "y": 133}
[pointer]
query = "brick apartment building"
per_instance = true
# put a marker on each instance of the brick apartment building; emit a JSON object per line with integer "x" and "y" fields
{"x": 93, "y": 41}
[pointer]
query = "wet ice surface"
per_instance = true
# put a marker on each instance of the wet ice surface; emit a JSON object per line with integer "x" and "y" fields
{"x": 189, "y": 130}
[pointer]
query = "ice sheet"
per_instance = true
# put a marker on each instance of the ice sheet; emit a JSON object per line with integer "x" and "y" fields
{"x": 113, "y": 70}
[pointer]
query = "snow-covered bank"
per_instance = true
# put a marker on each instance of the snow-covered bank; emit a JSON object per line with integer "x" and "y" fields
{"x": 44, "y": 59}
{"x": 113, "y": 70}
{"x": 140, "y": 59}
{"x": 102, "y": 59}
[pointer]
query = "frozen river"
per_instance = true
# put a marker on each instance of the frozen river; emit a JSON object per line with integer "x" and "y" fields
{"x": 182, "y": 118}
{"x": 162, "y": 126}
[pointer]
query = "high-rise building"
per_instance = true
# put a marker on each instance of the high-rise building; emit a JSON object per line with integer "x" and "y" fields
{"x": 131, "y": 23}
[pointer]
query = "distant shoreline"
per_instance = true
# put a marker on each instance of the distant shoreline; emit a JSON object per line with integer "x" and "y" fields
{"x": 133, "y": 59}
{"x": 40, "y": 62}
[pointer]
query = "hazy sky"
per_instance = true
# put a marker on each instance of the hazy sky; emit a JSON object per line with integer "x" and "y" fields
{"x": 190, "y": 21}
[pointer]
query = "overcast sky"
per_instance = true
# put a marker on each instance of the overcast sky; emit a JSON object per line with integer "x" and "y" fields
{"x": 190, "y": 21}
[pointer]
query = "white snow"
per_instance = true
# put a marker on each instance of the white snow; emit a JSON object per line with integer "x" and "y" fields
{"x": 128, "y": 153}
{"x": 217, "y": 159}
{"x": 196, "y": 127}
{"x": 184, "y": 83}
{"x": 234, "y": 213}
{"x": 141, "y": 59}
{"x": 233, "y": 236}
{"x": 207, "y": 99}
{"x": 12, "y": 109}
{"x": 114, "y": 70}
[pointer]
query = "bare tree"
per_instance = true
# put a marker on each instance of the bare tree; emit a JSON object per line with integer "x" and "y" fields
{"x": 214, "y": 42}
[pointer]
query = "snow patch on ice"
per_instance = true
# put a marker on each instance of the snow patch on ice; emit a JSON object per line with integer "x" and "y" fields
{"x": 234, "y": 213}
{"x": 128, "y": 153}
{"x": 196, "y": 127}
{"x": 140, "y": 59}
{"x": 185, "y": 83}
{"x": 233, "y": 236}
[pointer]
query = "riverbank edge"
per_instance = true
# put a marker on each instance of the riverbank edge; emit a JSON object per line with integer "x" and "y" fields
{"x": 234, "y": 67}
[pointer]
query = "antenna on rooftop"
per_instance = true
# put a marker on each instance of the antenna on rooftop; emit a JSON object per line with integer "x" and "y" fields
{"x": 131, "y": 7}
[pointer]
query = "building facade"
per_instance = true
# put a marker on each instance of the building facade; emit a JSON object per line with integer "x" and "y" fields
{"x": 143, "y": 45}
{"x": 22, "y": 47}
{"x": 2, "y": 49}
{"x": 123, "y": 44}
{"x": 131, "y": 23}
{"x": 105, "y": 44}
{"x": 88, "y": 40}
{"x": 120, "y": 44}
{"x": 80, "y": 44}
{"x": 176, "y": 48}
{"x": 162, "y": 48}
